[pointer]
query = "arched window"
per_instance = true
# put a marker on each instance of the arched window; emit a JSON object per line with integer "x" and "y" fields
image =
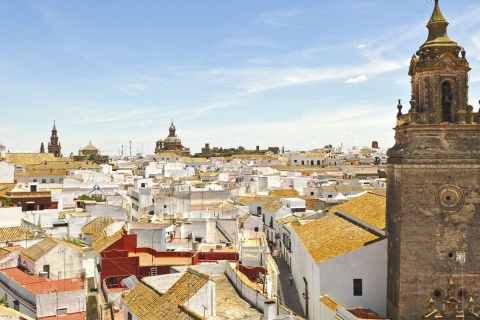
{"x": 447, "y": 98}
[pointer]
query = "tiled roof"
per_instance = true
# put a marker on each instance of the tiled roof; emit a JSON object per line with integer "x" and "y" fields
{"x": 4, "y": 253}
{"x": 316, "y": 155}
{"x": 244, "y": 218}
{"x": 284, "y": 193}
{"x": 265, "y": 199}
{"x": 332, "y": 236}
{"x": 28, "y": 158}
{"x": 186, "y": 159}
{"x": 31, "y": 173}
{"x": 97, "y": 225}
{"x": 15, "y": 233}
{"x": 90, "y": 147}
{"x": 65, "y": 164}
{"x": 287, "y": 220}
{"x": 101, "y": 241}
{"x": 148, "y": 303}
{"x": 166, "y": 155}
{"x": 6, "y": 187}
{"x": 208, "y": 174}
{"x": 329, "y": 302}
{"x": 273, "y": 206}
{"x": 379, "y": 191}
{"x": 226, "y": 206}
{"x": 369, "y": 207}
{"x": 342, "y": 188}
{"x": 39, "y": 249}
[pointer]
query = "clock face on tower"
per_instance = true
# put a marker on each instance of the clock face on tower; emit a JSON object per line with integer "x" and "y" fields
{"x": 450, "y": 198}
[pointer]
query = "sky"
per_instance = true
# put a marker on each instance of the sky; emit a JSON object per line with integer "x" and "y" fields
{"x": 272, "y": 73}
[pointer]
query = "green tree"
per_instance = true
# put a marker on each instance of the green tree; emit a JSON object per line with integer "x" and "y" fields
{"x": 3, "y": 301}
{"x": 94, "y": 158}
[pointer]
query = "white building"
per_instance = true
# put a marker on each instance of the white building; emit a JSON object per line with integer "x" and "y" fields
{"x": 343, "y": 255}
{"x": 6, "y": 172}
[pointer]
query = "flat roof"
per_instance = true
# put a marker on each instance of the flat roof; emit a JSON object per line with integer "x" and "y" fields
{"x": 39, "y": 285}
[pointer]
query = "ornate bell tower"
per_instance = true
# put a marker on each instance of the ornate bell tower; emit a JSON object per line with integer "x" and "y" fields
{"x": 54, "y": 145}
{"x": 433, "y": 179}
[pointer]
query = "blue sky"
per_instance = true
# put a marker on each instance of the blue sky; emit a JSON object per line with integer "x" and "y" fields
{"x": 299, "y": 74}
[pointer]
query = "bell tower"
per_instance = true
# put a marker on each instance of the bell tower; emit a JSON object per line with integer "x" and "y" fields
{"x": 433, "y": 179}
{"x": 54, "y": 145}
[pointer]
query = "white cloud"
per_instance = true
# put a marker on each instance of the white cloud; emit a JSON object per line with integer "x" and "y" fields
{"x": 358, "y": 79}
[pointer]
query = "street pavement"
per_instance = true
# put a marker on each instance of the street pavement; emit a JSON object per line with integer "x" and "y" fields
{"x": 287, "y": 293}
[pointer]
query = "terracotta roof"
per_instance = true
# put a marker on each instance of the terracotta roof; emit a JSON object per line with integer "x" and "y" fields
{"x": 273, "y": 206}
{"x": 148, "y": 303}
{"x": 101, "y": 241}
{"x": 15, "y": 233}
{"x": 332, "y": 236}
{"x": 369, "y": 207}
{"x": 97, "y": 225}
{"x": 36, "y": 251}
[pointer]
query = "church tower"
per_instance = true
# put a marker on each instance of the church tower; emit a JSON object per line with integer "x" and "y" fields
{"x": 54, "y": 145}
{"x": 433, "y": 187}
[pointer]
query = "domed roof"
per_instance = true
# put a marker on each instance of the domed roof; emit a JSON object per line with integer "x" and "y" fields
{"x": 172, "y": 139}
{"x": 90, "y": 147}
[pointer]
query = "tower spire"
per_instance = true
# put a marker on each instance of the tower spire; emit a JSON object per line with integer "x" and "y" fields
{"x": 438, "y": 40}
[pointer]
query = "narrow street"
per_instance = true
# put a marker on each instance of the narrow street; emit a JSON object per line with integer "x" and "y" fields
{"x": 288, "y": 293}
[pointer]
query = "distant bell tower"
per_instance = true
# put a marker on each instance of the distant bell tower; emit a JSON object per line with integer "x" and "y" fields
{"x": 54, "y": 145}
{"x": 433, "y": 188}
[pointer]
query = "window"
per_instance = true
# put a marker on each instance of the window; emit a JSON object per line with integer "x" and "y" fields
{"x": 129, "y": 316}
{"x": 60, "y": 180}
{"x": 62, "y": 311}
{"x": 329, "y": 195}
{"x": 44, "y": 180}
{"x": 312, "y": 193}
{"x": 295, "y": 160}
{"x": 164, "y": 206}
{"x": 112, "y": 281}
{"x": 357, "y": 287}
{"x": 34, "y": 180}
{"x": 16, "y": 305}
{"x": 52, "y": 180}
{"x": 143, "y": 184}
